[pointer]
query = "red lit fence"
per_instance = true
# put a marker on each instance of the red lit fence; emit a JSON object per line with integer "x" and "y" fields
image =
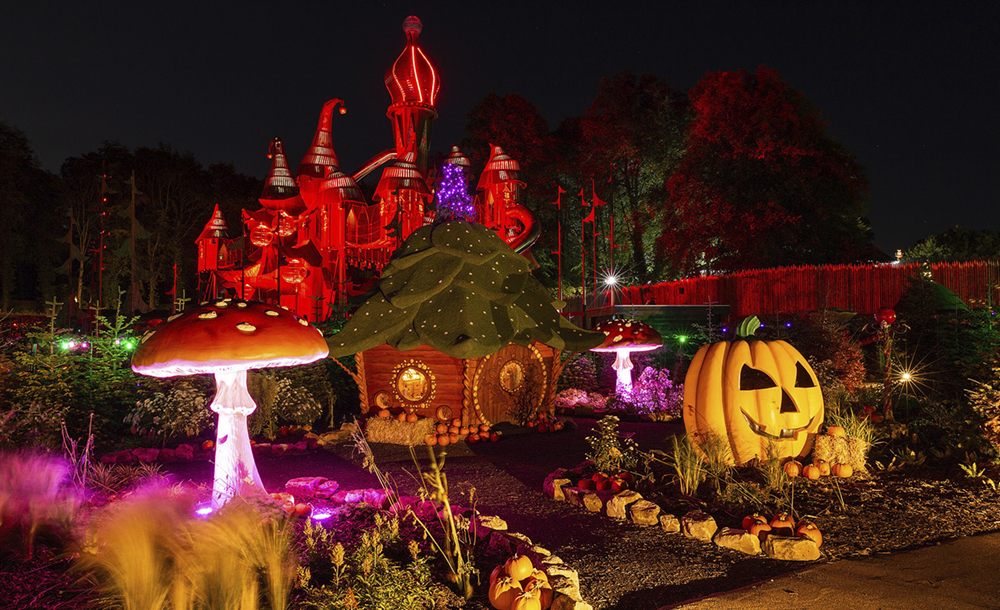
{"x": 860, "y": 288}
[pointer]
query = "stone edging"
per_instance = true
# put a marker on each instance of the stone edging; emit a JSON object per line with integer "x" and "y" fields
{"x": 629, "y": 505}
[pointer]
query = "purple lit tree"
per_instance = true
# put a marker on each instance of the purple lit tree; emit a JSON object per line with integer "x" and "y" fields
{"x": 452, "y": 198}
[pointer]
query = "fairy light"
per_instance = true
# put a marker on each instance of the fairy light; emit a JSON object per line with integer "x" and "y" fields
{"x": 452, "y": 200}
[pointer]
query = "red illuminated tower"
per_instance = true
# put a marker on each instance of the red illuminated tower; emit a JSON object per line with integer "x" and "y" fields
{"x": 413, "y": 84}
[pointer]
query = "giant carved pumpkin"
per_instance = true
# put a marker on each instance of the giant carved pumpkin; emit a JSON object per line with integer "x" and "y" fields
{"x": 757, "y": 396}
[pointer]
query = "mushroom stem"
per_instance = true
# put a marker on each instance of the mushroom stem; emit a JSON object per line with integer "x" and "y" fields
{"x": 623, "y": 366}
{"x": 235, "y": 469}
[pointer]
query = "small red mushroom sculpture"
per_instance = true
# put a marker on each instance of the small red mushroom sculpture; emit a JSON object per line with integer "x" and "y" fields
{"x": 624, "y": 337}
{"x": 226, "y": 338}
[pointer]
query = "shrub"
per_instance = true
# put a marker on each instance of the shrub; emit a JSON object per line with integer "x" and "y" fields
{"x": 580, "y": 374}
{"x": 379, "y": 571}
{"x": 654, "y": 394}
{"x": 608, "y": 451}
{"x": 295, "y": 405}
{"x": 181, "y": 411}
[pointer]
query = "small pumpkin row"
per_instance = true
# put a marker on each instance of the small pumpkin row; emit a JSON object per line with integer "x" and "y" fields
{"x": 544, "y": 423}
{"x": 519, "y": 585}
{"x": 782, "y": 525}
{"x": 818, "y": 468}
{"x": 446, "y": 434}
{"x": 290, "y": 506}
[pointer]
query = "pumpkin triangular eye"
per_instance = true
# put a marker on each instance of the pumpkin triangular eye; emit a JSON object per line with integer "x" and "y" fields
{"x": 755, "y": 379}
{"x": 802, "y": 377}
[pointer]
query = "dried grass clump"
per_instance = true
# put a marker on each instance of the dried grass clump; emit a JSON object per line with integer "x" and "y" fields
{"x": 379, "y": 430}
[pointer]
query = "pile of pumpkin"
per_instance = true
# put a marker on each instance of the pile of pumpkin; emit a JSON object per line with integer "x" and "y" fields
{"x": 544, "y": 423}
{"x": 290, "y": 506}
{"x": 447, "y": 434}
{"x": 782, "y": 525}
{"x": 820, "y": 468}
{"x": 601, "y": 481}
{"x": 519, "y": 585}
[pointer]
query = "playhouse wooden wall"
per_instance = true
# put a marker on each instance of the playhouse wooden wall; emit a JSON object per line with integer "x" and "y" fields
{"x": 467, "y": 386}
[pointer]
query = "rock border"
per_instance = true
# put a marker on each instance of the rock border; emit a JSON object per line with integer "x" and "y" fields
{"x": 629, "y": 505}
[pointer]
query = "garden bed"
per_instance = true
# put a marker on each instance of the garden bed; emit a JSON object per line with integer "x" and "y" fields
{"x": 621, "y": 565}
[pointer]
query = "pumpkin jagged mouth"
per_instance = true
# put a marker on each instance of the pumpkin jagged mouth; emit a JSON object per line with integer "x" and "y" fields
{"x": 783, "y": 434}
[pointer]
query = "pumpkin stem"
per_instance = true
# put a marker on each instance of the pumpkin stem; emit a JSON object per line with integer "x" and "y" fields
{"x": 748, "y": 327}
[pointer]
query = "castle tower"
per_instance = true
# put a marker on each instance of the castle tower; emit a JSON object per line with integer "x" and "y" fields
{"x": 413, "y": 85}
{"x": 320, "y": 159}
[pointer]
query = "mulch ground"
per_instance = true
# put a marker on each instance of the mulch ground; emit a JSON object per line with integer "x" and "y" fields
{"x": 621, "y": 565}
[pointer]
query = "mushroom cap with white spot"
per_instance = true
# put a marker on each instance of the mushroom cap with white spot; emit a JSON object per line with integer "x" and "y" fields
{"x": 216, "y": 337}
{"x": 631, "y": 335}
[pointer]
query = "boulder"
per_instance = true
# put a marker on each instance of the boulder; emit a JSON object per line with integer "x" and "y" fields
{"x": 617, "y": 507}
{"x": 184, "y": 452}
{"x": 565, "y": 572}
{"x": 304, "y": 486}
{"x": 500, "y": 544}
{"x": 483, "y": 525}
{"x": 738, "y": 540}
{"x": 168, "y": 455}
{"x": 593, "y": 502}
{"x": 550, "y": 488}
{"x": 341, "y": 495}
{"x": 670, "y": 523}
{"x": 261, "y": 448}
{"x": 327, "y": 488}
{"x": 699, "y": 525}
{"x": 377, "y": 498}
{"x": 551, "y": 560}
{"x": 644, "y": 512}
{"x": 301, "y": 446}
{"x": 564, "y": 602}
{"x": 791, "y": 548}
{"x": 574, "y": 495}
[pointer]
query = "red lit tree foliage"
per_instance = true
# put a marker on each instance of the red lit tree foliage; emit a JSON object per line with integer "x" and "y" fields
{"x": 762, "y": 183}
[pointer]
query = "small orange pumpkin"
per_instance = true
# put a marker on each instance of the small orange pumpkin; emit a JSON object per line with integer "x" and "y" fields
{"x": 412, "y": 417}
{"x": 808, "y": 529}
{"x": 528, "y": 600}
{"x": 384, "y": 413}
{"x": 812, "y": 472}
{"x": 431, "y": 439}
{"x": 782, "y": 525}
{"x": 823, "y": 465}
{"x": 503, "y": 591}
{"x": 519, "y": 567}
{"x": 836, "y": 431}
{"x": 401, "y": 417}
{"x": 842, "y": 470}
{"x": 759, "y": 528}
{"x": 443, "y": 439}
{"x": 750, "y": 520}
{"x": 793, "y": 468}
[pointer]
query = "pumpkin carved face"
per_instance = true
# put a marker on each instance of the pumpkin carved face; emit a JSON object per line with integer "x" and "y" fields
{"x": 753, "y": 394}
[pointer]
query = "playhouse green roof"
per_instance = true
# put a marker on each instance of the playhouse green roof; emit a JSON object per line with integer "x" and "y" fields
{"x": 463, "y": 291}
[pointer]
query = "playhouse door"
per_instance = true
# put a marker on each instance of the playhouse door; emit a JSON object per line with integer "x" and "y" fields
{"x": 509, "y": 385}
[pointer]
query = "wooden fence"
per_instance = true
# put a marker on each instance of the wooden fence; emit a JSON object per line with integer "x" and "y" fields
{"x": 860, "y": 288}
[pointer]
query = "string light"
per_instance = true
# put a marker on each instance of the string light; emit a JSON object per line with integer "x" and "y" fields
{"x": 452, "y": 200}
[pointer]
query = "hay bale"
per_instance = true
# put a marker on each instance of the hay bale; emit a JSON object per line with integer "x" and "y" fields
{"x": 379, "y": 430}
{"x": 842, "y": 450}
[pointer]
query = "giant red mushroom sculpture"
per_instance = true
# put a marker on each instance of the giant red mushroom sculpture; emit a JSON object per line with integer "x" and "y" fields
{"x": 226, "y": 338}
{"x": 624, "y": 337}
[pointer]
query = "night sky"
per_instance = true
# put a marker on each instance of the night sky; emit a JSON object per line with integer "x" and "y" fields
{"x": 910, "y": 88}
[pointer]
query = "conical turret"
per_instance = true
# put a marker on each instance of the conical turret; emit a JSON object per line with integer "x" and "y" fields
{"x": 320, "y": 155}
{"x": 280, "y": 191}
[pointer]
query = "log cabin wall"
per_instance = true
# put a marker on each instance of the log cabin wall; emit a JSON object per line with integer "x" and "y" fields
{"x": 382, "y": 366}
{"x": 470, "y": 389}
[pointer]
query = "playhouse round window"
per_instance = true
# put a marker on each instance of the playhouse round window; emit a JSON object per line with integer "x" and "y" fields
{"x": 511, "y": 376}
{"x": 412, "y": 384}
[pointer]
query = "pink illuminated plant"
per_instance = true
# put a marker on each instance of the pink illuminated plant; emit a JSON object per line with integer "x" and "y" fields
{"x": 624, "y": 337}
{"x": 226, "y": 338}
